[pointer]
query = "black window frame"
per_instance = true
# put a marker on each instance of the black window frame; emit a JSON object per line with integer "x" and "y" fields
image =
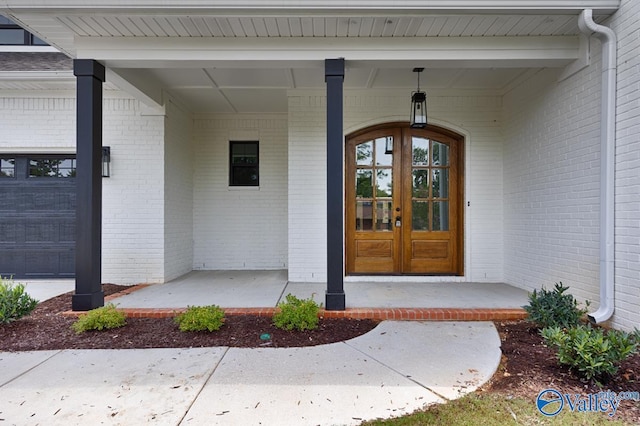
{"x": 236, "y": 168}
{"x": 28, "y": 39}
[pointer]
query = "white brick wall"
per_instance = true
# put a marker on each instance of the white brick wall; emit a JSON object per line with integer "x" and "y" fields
{"x": 240, "y": 228}
{"x": 552, "y": 178}
{"x": 132, "y": 198}
{"x": 626, "y": 24}
{"x": 178, "y": 192}
{"x": 478, "y": 118}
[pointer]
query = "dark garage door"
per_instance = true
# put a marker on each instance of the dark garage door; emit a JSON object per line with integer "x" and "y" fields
{"x": 37, "y": 216}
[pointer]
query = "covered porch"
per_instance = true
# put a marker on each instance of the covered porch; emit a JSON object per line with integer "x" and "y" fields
{"x": 259, "y": 292}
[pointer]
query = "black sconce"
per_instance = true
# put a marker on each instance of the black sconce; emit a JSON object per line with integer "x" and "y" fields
{"x": 418, "y": 105}
{"x": 106, "y": 161}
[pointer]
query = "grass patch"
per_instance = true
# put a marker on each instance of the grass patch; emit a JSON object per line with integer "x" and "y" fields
{"x": 491, "y": 409}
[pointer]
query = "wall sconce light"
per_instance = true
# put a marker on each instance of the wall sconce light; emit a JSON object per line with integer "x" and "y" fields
{"x": 418, "y": 105}
{"x": 106, "y": 161}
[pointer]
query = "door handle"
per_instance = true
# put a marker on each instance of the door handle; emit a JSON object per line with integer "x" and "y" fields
{"x": 398, "y": 221}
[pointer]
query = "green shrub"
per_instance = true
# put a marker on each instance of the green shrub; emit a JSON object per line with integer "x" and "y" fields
{"x": 297, "y": 314}
{"x": 14, "y": 302}
{"x": 554, "y": 308}
{"x": 201, "y": 318}
{"x": 591, "y": 352}
{"x": 103, "y": 318}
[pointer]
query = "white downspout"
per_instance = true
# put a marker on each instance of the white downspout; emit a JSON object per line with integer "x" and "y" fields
{"x": 607, "y": 162}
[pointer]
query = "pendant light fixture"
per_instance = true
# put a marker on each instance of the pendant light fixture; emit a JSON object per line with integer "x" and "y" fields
{"x": 418, "y": 105}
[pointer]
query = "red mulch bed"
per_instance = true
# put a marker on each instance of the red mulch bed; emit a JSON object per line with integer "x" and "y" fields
{"x": 47, "y": 329}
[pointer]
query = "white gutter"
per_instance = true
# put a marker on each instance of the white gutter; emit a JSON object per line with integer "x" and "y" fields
{"x": 607, "y": 162}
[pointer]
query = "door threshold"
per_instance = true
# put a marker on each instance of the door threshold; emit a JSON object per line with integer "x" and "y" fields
{"x": 405, "y": 278}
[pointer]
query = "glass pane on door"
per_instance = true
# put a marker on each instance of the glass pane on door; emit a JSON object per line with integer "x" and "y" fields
{"x": 384, "y": 151}
{"x": 420, "y": 215}
{"x": 364, "y": 184}
{"x": 384, "y": 183}
{"x": 421, "y": 183}
{"x": 440, "y": 216}
{"x": 364, "y": 215}
{"x": 440, "y": 154}
{"x": 364, "y": 154}
{"x": 440, "y": 183}
{"x": 420, "y": 151}
{"x": 383, "y": 216}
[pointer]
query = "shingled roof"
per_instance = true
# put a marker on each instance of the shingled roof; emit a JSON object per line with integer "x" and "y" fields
{"x": 35, "y": 61}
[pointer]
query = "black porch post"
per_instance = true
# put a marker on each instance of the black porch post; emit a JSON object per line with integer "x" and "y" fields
{"x": 334, "y": 77}
{"x": 90, "y": 76}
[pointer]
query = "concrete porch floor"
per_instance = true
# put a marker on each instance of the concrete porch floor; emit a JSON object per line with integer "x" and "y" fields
{"x": 259, "y": 292}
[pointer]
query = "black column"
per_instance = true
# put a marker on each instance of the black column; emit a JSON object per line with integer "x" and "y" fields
{"x": 90, "y": 76}
{"x": 334, "y": 77}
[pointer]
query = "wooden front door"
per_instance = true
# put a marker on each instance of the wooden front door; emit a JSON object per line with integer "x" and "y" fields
{"x": 404, "y": 201}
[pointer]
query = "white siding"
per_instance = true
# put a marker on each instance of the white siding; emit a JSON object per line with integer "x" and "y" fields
{"x": 178, "y": 192}
{"x": 240, "y": 227}
{"x": 478, "y": 118}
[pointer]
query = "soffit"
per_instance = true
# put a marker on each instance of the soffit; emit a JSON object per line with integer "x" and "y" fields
{"x": 260, "y": 86}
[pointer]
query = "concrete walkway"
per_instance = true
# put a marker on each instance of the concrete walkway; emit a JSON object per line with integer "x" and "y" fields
{"x": 395, "y": 369}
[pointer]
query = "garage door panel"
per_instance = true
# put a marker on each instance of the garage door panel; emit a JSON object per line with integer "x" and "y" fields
{"x": 10, "y": 263}
{"x": 37, "y": 222}
{"x": 8, "y": 231}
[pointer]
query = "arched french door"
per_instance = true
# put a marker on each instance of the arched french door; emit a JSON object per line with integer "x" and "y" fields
{"x": 404, "y": 201}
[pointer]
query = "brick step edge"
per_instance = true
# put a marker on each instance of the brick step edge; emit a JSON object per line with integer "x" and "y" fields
{"x": 398, "y": 314}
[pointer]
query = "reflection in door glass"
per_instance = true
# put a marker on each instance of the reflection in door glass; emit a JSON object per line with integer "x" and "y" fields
{"x": 364, "y": 184}
{"x": 364, "y": 154}
{"x": 364, "y": 216}
{"x": 420, "y": 215}
{"x": 421, "y": 183}
{"x": 440, "y": 154}
{"x": 440, "y": 183}
{"x": 383, "y": 216}
{"x": 384, "y": 183}
{"x": 384, "y": 151}
{"x": 440, "y": 216}
{"x": 420, "y": 151}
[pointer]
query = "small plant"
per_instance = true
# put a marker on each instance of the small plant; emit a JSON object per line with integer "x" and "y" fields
{"x": 14, "y": 302}
{"x": 591, "y": 352}
{"x": 297, "y": 314}
{"x": 104, "y": 318}
{"x": 554, "y": 308}
{"x": 201, "y": 318}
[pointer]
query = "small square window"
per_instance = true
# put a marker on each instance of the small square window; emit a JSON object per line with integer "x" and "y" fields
{"x": 244, "y": 164}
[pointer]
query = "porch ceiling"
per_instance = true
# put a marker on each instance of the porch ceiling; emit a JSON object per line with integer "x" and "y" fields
{"x": 223, "y": 59}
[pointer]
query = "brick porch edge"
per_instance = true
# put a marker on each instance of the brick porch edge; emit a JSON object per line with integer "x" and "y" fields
{"x": 404, "y": 314}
